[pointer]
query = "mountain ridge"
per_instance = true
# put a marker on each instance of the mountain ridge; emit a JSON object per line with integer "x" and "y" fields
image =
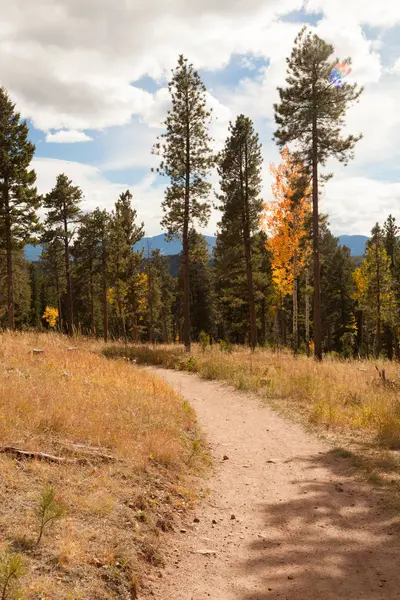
{"x": 356, "y": 243}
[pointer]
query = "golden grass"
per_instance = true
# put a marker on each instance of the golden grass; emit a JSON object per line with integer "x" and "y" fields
{"x": 116, "y": 510}
{"x": 341, "y": 394}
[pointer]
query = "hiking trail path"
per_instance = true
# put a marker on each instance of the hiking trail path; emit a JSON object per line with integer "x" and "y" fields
{"x": 284, "y": 519}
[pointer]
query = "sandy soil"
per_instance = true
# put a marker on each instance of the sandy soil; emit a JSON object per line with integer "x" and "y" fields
{"x": 284, "y": 518}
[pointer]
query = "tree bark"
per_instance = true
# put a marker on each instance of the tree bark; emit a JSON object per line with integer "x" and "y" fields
{"x": 247, "y": 246}
{"x": 307, "y": 299}
{"x": 317, "y": 290}
{"x": 295, "y": 307}
{"x": 10, "y": 269}
{"x": 151, "y": 321}
{"x": 185, "y": 241}
{"x": 378, "y": 335}
{"x": 92, "y": 319}
{"x": 70, "y": 329}
{"x": 105, "y": 300}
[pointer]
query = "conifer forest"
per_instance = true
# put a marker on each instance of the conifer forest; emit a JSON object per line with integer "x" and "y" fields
{"x": 277, "y": 276}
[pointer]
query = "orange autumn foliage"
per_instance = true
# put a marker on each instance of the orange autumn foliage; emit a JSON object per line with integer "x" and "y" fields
{"x": 285, "y": 221}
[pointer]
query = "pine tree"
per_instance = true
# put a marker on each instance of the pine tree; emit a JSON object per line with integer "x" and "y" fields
{"x": 62, "y": 204}
{"x": 160, "y": 296}
{"x": 52, "y": 265}
{"x": 311, "y": 112}
{"x": 85, "y": 252}
{"x": 239, "y": 169}
{"x": 35, "y": 282}
{"x": 21, "y": 290}
{"x": 103, "y": 227}
{"x": 186, "y": 161}
{"x": 125, "y": 233}
{"x": 375, "y": 288}
{"x": 391, "y": 240}
{"x": 201, "y": 287}
{"x": 18, "y": 196}
{"x": 337, "y": 291}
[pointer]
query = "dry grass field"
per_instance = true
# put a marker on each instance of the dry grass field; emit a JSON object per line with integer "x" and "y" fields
{"x": 120, "y": 446}
{"x": 349, "y": 399}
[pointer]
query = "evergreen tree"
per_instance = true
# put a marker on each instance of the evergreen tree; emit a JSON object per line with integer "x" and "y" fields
{"x": 103, "y": 228}
{"x": 391, "y": 240}
{"x": 85, "y": 252}
{"x": 125, "y": 233}
{"x": 375, "y": 289}
{"x": 337, "y": 291}
{"x": 18, "y": 196}
{"x": 186, "y": 160}
{"x": 240, "y": 168}
{"x": 35, "y": 282}
{"x": 160, "y": 297}
{"x": 311, "y": 112}
{"x": 22, "y": 290}
{"x": 201, "y": 287}
{"x": 62, "y": 204}
{"x": 52, "y": 266}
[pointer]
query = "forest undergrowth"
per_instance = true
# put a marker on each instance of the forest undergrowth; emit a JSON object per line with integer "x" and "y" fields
{"x": 96, "y": 460}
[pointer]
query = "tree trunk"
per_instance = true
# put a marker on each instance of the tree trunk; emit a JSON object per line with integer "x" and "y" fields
{"x": 10, "y": 269}
{"x": 70, "y": 318}
{"x": 307, "y": 299}
{"x": 185, "y": 241}
{"x": 295, "y": 308}
{"x": 151, "y": 321}
{"x": 378, "y": 335}
{"x": 247, "y": 247}
{"x": 317, "y": 291}
{"x": 92, "y": 319}
{"x": 105, "y": 300}
{"x": 263, "y": 322}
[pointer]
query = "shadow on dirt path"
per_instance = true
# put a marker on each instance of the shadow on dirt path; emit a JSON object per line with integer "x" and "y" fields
{"x": 284, "y": 519}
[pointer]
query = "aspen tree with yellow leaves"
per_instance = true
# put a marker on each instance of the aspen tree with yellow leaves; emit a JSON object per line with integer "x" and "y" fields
{"x": 285, "y": 220}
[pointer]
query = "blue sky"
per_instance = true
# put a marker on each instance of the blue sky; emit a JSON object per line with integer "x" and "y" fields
{"x": 91, "y": 79}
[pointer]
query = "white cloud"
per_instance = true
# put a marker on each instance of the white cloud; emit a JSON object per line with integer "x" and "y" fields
{"x": 99, "y": 191}
{"x": 355, "y": 204}
{"x": 370, "y": 12}
{"x": 68, "y": 136}
{"x": 71, "y": 64}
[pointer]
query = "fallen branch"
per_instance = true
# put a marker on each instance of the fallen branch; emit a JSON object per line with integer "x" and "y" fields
{"x": 27, "y": 454}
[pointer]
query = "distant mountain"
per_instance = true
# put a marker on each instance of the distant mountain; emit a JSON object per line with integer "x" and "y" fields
{"x": 356, "y": 243}
{"x": 158, "y": 242}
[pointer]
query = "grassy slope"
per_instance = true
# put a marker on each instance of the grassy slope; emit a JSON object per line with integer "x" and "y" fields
{"x": 345, "y": 397}
{"x": 116, "y": 511}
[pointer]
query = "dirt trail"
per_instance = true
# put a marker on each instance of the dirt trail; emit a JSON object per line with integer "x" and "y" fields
{"x": 303, "y": 528}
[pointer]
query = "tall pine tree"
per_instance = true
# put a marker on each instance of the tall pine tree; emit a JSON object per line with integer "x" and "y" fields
{"x": 311, "y": 113}
{"x": 18, "y": 197}
{"x": 240, "y": 168}
{"x": 125, "y": 233}
{"x": 186, "y": 160}
{"x": 63, "y": 211}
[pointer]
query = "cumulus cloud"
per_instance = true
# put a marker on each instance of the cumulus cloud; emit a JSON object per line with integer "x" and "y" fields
{"x": 100, "y": 192}
{"x": 68, "y": 136}
{"x": 72, "y": 66}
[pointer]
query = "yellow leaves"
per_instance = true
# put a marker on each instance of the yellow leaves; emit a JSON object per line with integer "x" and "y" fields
{"x": 50, "y": 315}
{"x": 285, "y": 221}
{"x": 360, "y": 281}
